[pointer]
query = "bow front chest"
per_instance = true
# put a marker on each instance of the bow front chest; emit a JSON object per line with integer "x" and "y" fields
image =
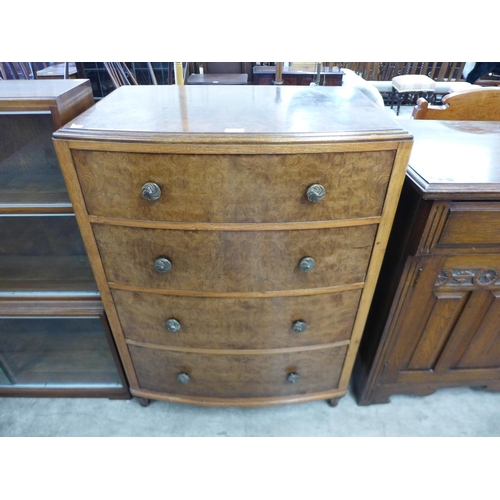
{"x": 235, "y": 233}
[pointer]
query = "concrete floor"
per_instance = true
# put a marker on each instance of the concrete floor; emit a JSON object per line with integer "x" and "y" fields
{"x": 448, "y": 412}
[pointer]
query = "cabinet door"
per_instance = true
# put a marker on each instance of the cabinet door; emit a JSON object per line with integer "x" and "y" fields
{"x": 446, "y": 329}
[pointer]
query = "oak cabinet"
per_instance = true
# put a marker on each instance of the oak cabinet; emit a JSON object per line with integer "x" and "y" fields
{"x": 436, "y": 310}
{"x": 235, "y": 234}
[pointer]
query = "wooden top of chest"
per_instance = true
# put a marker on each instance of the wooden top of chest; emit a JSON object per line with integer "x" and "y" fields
{"x": 455, "y": 159}
{"x": 234, "y": 114}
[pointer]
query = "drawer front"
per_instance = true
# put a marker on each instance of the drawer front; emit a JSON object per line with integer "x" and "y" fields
{"x": 472, "y": 224}
{"x": 234, "y": 261}
{"x": 227, "y": 323}
{"x": 238, "y": 376}
{"x": 234, "y": 188}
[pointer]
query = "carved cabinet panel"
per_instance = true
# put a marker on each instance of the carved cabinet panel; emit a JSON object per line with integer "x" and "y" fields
{"x": 450, "y": 322}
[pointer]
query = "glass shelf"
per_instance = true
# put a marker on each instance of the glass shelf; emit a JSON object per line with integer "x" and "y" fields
{"x": 43, "y": 254}
{"x": 30, "y": 176}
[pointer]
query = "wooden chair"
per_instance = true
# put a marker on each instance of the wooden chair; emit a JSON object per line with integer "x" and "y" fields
{"x": 481, "y": 103}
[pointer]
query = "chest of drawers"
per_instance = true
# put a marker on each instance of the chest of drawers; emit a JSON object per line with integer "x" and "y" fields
{"x": 236, "y": 234}
{"x": 435, "y": 316}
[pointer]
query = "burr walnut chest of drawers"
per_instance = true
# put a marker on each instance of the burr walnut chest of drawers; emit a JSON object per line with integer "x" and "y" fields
{"x": 435, "y": 316}
{"x": 236, "y": 234}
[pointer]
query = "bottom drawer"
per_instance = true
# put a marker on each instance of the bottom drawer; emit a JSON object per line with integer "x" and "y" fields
{"x": 242, "y": 375}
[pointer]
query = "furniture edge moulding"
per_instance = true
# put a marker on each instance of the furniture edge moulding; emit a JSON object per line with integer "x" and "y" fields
{"x": 229, "y": 143}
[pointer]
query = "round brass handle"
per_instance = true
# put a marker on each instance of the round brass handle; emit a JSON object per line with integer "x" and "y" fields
{"x": 299, "y": 326}
{"x": 151, "y": 191}
{"x": 183, "y": 378}
{"x": 163, "y": 265}
{"x": 315, "y": 193}
{"x": 292, "y": 378}
{"x": 307, "y": 264}
{"x": 172, "y": 325}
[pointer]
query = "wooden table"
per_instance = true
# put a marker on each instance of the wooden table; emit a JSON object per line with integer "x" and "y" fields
{"x": 297, "y": 75}
{"x": 56, "y": 71}
{"x": 435, "y": 315}
{"x": 215, "y": 78}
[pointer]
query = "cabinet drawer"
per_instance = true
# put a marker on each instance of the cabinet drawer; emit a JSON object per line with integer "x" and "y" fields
{"x": 238, "y": 375}
{"x": 243, "y": 323}
{"x": 234, "y": 188}
{"x": 472, "y": 224}
{"x": 234, "y": 261}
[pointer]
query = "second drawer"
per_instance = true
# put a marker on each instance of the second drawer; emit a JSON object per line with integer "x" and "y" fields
{"x": 237, "y": 323}
{"x": 234, "y": 261}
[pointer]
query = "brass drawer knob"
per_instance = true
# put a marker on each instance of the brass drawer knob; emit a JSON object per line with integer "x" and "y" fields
{"x": 151, "y": 191}
{"x": 292, "y": 378}
{"x": 307, "y": 264}
{"x": 183, "y": 378}
{"x": 172, "y": 325}
{"x": 315, "y": 193}
{"x": 299, "y": 326}
{"x": 163, "y": 265}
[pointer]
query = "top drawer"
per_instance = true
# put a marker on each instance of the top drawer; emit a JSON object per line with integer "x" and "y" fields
{"x": 471, "y": 224}
{"x": 234, "y": 188}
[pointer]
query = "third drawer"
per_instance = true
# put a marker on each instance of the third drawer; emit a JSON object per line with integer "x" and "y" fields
{"x": 237, "y": 323}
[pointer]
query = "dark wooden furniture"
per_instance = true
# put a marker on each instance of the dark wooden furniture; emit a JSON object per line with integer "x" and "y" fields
{"x": 435, "y": 316}
{"x": 474, "y": 104}
{"x": 54, "y": 335}
{"x": 236, "y": 244}
{"x": 297, "y": 75}
{"x": 221, "y": 79}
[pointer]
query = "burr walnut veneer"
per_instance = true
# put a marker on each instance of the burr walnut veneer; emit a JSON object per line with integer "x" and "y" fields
{"x": 436, "y": 312}
{"x": 236, "y": 234}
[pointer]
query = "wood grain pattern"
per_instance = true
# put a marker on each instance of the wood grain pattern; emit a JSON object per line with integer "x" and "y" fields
{"x": 234, "y": 188}
{"x": 472, "y": 224}
{"x": 227, "y": 323}
{"x": 234, "y": 261}
{"x": 238, "y": 376}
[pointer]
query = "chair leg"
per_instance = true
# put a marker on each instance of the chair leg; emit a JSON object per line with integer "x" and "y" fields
{"x": 393, "y": 95}
{"x": 400, "y": 100}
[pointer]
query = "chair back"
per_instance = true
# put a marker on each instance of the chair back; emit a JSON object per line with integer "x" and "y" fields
{"x": 480, "y": 104}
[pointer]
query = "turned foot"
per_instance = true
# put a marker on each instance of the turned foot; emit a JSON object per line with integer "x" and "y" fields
{"x": 144, "y": 401}
{"x": 333, "y": 402}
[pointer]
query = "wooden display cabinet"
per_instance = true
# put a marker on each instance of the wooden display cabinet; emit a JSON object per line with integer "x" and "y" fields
{"x": 54, "y": 335}
{"x": 435, "y": 317}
